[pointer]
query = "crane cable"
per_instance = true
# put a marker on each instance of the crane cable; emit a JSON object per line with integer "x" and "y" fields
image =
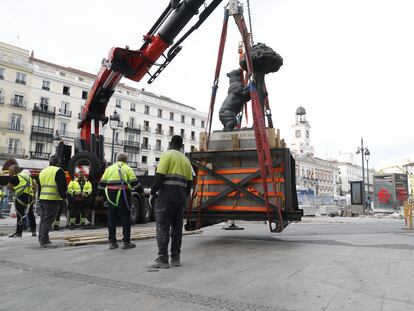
{"x": 250, "y": 22}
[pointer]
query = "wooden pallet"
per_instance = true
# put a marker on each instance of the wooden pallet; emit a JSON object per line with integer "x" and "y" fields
{"x": 102, "y": 236}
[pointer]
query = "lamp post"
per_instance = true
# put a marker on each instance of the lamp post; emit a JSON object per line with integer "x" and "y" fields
{"x": 114, "y": 121}
{"x": 367, "y": 155}
{"x": 363, "y": 150}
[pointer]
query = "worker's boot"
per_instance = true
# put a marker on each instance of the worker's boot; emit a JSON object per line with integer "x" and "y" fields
{"x": 128, "y": 245}
{"x": 48, "y": 244}
{"x": 34, "y": 233}
{"x": 159, "y": 263}
{"x": 113, "y": 245}
{"x": 15, "y": 235}
{"x": 175, "y": 261}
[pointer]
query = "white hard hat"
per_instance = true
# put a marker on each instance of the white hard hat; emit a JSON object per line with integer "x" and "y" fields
{"x": 26, "y": 171}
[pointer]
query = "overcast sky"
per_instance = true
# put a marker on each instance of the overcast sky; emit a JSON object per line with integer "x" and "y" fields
{"x": 350, "y": 63}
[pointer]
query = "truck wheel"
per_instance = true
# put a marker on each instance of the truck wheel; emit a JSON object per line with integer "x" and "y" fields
{"x": 85, "y": 159}
{"x": 135, "y": 208}
{"x": 144, "y": 212}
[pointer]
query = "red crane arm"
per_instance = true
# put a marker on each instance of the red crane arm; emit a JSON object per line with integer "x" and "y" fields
{"x": 135, "y": 64}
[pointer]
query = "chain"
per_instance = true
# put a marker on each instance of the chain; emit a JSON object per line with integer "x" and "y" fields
{"x": 250, "y": 22}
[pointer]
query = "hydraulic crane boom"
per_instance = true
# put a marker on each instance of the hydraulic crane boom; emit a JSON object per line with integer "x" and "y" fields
{"x": 135, "y": 64}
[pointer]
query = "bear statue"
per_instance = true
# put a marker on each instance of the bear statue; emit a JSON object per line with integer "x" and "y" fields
{"x": 237, "y": 95}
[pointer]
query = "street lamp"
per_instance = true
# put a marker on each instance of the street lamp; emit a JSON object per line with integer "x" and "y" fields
{"x": 363, "y": 151}
{"x": 114, "y": 121}
{"x": 367, "y": 155}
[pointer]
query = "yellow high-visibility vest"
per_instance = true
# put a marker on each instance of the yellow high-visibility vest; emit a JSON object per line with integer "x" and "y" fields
{"x": 49, "y": 190}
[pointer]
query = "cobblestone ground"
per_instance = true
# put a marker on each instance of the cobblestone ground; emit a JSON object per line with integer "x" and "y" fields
{"x": 319, "y": 264}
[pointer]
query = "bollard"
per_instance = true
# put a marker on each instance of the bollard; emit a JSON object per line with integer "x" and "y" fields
{"x": 408, "y": 214}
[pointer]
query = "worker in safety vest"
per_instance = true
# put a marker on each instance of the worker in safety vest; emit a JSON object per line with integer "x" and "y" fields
{"x": 2, "y": 196}
{"x": 172, "y": 185}
{"x": 21, "y": 184}
{"x": 53, "y": 188}
{"x": 79, "y": 191}
{"x": 117, "y": 182}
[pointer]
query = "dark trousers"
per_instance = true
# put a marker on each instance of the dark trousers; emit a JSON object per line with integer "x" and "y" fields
{"x": 125, "y": 215}
{"x": 20, "y": 211}
{"x": 75, "y": 206}
{"x": 57, "y": 217}
{"x": 48, "y": 213}
{"x": 169, "y": 222}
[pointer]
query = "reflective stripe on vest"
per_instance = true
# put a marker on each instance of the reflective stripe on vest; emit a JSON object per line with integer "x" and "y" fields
{"x": 115, "y": 174}
{"x": 175, "y": 180}
{"x": 24, "y": 186}
{"x": 49, "y": 190}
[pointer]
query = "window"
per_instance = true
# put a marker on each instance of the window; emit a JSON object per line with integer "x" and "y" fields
{"x": 131, "y": 121}
{"x": 159, "y": 113}
{"x": 157, "y": 159}
{"x": 147, "y": 110}
{"x": 172, "y": 116}
{"x": 297, "y": 133}
{"x": 20, "y": 78}
{"x": 44, "y": 103}
{"x": 145, "y": 143}
{"x": 66, "y": 90}
{"x": 62, "y": 74}
{"x": 1, "y": 73}
{"x": 146, "y": 126}
{"x": 46, "y": 85}
{"x": 202, "y": 123}
{"x": 15, "y": 122}
{"x": 158, "y": 145}
{"x": 144, "y": 159}
{"x": 182, "y": 119}
{"x": 118, "y": 103}
{"x": 18, "y": 100}
{"x": 192, "y": 121}
{"x": 13, "y": 145}
{"x": 65, "y": 109}
{"x": 192, "y": 135}
{"x": 43, "y": 122}
{"x": 171, "y": 131}
{"x": 39, "y": 147}
{"x": 192, "y": 148}
{"x": 159, "y": 128}
{"x": 183, "y": 133}
{"x": 133, "y": 106}
{"x": 63, "y": 128}
{"x": 307, "y": 134}
{"x": 84, "y": 94}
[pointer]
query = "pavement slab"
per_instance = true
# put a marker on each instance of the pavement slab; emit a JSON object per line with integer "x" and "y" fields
{"x": 352, "y": 264}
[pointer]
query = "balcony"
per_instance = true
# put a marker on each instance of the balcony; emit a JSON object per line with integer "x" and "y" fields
{"x": 46, "y": 88}
{"x": 132, "y": 127}
{"x": 12, "y": 126}
{"x": 145, "y": 147}
{"x": 146, "y": 129}
{"x": 66, "y": 134}
{"x": 18, "y": 104}
{"x": 1, "y": 100}
{"x": 20, "y": 81}
{"x": 39, "y": 155}
{"x": 46, "y": 131}
{"x": 6, "y": 152}
{"x": 132, "y": 146}
{"x": 117, "y": 142}
{"x": 159, "y": 131}
{"x": 65, "y": 113}
{"x": 44, "y": 109}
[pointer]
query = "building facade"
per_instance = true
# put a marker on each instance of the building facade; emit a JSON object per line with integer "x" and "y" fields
{"x": 40, "y": 101}
{"x": 312, "y": 173}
